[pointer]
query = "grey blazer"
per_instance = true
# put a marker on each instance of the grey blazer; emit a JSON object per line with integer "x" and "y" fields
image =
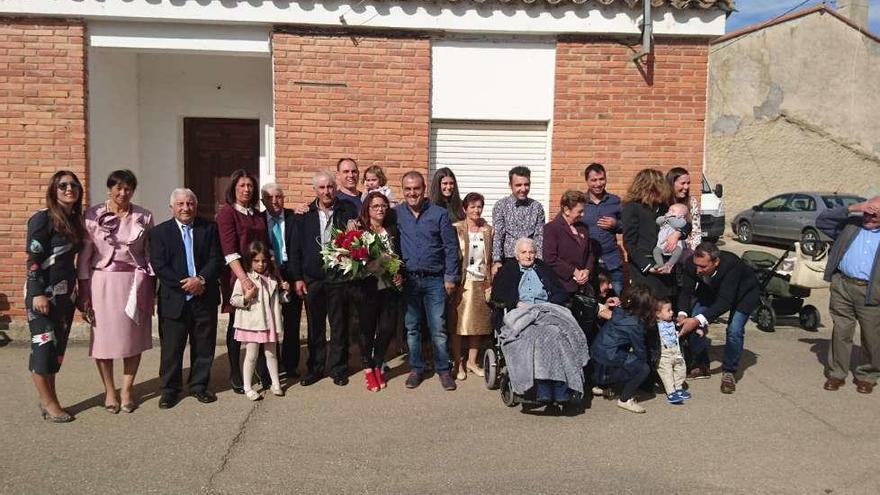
{"x": 843, "y": 228}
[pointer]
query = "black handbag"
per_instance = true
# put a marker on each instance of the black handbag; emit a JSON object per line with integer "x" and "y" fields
{"x": 585, "y": 308}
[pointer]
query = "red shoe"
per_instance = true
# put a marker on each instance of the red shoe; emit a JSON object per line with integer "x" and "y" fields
{"x": 370, "y": 378}
{"x": 380, "y": 377}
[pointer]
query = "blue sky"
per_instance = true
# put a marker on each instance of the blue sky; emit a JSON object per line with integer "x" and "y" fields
{"x": 757, "y": 11}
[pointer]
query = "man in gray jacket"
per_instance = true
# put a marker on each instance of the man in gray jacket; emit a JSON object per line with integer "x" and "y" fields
{"x": 854, "y": 272}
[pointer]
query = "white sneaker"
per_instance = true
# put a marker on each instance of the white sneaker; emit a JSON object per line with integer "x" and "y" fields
{"x": 598, "y": 391}
{"x": 631, "y": 406}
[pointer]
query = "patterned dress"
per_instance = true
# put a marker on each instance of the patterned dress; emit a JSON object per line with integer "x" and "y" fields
{"x": 51, "y": 273}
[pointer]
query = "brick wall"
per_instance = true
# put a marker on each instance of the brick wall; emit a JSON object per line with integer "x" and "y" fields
{"x": 608, "y": 111}
{"x": 366, "y": 97}
{"x": 42, "y": 129}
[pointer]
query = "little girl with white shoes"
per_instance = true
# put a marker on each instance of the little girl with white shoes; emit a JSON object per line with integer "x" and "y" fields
{"x": 258, "y": 316}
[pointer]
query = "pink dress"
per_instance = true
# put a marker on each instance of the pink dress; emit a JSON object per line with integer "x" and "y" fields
{"x": 114, "y": 266}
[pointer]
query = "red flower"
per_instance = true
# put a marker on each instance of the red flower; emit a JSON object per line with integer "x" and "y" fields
{"x": 360, "y": 254}
{"x": 339, "y": 238}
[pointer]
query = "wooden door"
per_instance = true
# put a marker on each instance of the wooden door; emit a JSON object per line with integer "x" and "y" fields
{"x": 213, "y": 149}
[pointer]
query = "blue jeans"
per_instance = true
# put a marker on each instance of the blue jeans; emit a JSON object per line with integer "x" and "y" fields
{"x": 617, "y": 280}
{"x": 698, "y": 347}
{"x": 426, "y": 296}
{"x": 551, "y": 391}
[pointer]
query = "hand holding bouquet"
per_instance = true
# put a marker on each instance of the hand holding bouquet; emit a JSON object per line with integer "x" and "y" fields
{"x": 357, "y": 254}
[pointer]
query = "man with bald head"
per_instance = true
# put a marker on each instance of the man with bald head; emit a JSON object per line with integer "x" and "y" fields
{"x": 854, "y": 272}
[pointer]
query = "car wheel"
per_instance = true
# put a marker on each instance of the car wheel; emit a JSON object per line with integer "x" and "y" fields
{"x": 810, "y": 241}
{"x": 744, "y": 232}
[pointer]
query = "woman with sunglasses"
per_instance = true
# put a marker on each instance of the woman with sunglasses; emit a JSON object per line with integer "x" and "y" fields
{"x": 53, "y": 239}
{"x": 378, "y": 301}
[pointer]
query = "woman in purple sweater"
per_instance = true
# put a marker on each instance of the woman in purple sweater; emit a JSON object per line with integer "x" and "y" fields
{"x": 239, "y": 223}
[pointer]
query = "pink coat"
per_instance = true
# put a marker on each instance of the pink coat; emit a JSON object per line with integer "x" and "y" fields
{"x": 101, "y": 244}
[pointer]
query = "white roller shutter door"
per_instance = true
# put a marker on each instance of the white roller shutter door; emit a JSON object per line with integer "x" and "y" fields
{"x": 481, "y": 153}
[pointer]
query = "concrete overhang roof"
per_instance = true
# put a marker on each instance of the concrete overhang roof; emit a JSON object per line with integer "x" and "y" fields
{"x": 726, "y": 5}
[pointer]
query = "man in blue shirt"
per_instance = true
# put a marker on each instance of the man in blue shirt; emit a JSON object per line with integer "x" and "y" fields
{"x": 854, "y": 272}
{"x": 430, "y": 254}
{"x": 602, "y": 217}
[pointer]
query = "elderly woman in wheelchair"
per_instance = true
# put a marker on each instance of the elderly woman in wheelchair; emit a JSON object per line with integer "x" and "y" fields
{"x": 540, "y": 349}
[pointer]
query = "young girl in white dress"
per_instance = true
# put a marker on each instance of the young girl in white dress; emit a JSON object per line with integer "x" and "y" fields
{"x": 258, "y": 316}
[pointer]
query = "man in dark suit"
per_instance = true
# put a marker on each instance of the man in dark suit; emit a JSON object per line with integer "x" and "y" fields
{"x": 326, "y": 295}
{"x": 185, "y": 255}
{"x": 280, "y": 222}
{"x": 720, "y": 282}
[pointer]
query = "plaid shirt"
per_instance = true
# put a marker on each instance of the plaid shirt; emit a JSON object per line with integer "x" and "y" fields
{"x": 512, "y": 221}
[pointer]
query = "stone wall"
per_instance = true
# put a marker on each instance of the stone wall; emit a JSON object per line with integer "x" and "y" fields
{"x": 794, "y": 107}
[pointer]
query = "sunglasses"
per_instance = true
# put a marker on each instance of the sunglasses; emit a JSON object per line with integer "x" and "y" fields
{"x": 73, "y": 185}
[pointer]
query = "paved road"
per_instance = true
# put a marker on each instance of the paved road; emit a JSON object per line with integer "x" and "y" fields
{"x": 780, "y": 433}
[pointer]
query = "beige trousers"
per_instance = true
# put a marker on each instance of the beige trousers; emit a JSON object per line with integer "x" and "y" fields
{"x": 672, "y": 369}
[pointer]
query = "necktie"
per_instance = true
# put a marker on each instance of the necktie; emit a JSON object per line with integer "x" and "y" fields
{"x": 276, "y": 240}
{"x": 190, "y": 260}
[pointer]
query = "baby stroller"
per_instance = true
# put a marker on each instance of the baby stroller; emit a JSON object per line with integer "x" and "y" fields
{"x": 785, "y": 282}
{"x": 497, "y": 376}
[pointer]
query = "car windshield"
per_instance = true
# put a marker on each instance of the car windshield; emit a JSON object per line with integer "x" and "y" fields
{"x": 835, "y": 201}
{"x": 706, "y": 188}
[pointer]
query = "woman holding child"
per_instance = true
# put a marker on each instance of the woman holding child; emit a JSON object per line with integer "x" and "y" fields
{"x": 647, "y": 199}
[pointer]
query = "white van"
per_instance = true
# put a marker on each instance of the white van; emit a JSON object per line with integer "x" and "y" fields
{"x": 711, "y": 211}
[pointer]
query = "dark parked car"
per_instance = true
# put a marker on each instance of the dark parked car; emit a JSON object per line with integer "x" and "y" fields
{"x": 789, "y": 217}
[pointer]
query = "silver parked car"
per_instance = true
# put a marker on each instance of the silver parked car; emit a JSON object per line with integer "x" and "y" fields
{"x": 789, "y": 216}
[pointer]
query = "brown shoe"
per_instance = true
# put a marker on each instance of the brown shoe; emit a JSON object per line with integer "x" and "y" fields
{"x": 833, "y": 384}
{"x": 698, "y": 373}
{"x": 863, "y": 387}
{"x": 728, "y": 383}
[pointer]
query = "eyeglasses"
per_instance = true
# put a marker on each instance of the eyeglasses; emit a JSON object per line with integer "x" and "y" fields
{"x": 62, "y": 186}
{"x": 378, "y": 207}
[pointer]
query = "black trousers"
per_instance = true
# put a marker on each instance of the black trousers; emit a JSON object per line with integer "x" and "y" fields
{"x": 327, "y": 300}
{"x": 233, "y": 351}
{"x": 198, "y": 323}
{"x": 290, "y": 314}
{"x": 378, "y": 315}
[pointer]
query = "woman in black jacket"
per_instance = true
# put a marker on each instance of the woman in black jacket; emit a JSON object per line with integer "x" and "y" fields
{"x": 648, "y": 197}
{"x": 54, "y": 236}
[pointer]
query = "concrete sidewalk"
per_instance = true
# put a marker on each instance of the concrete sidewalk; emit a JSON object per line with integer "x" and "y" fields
{"x": 780, "y": 433}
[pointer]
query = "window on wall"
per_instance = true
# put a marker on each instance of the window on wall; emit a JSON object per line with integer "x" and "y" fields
{"x": 481, "y": 153}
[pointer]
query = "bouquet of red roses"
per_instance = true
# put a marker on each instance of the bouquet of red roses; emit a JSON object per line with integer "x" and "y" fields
{"x": 357, "y": 254}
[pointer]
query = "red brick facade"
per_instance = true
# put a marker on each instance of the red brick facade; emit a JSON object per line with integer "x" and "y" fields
{"x": 42, "y": 129}
{"x": 337, "y": 95}
{"x": 609, "y": 111}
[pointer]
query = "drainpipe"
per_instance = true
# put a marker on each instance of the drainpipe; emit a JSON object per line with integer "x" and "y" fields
{"x": 647, "y": 31}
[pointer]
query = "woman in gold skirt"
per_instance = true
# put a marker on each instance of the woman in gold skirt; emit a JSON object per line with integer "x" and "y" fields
{"x": 470, "y": 318}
